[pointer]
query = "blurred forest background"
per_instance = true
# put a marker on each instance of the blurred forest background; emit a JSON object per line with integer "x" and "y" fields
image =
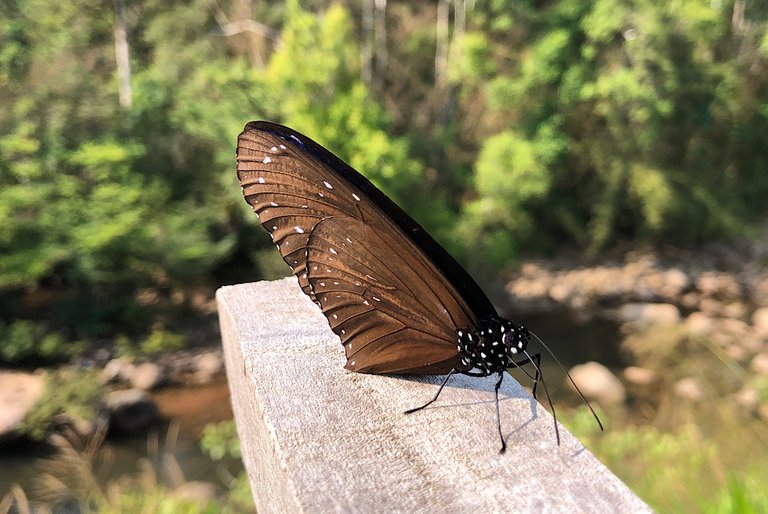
{"x": 507, "y": 128}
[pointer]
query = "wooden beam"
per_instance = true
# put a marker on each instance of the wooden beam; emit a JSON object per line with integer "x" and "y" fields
{"x": 318, "y": 438}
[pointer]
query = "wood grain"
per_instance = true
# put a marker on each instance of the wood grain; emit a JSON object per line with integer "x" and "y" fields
{"x": 318, "y": 438}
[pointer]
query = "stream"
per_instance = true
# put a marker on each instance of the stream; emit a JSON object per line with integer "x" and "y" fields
{"x": 189, "y": 409}
{"x": 183, "y": 409}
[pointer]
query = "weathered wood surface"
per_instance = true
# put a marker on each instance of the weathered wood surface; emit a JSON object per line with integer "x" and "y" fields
{"x": 317, "y": 438}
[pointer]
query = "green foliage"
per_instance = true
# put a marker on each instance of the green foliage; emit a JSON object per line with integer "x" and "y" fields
{"x": 740, "y": 497}
{"x": 158, "y": 499}
{"x": 24, "y": 339}
{"x": 220, "y": 440}
{"x": 74, "y": 394}
{"x": 578, "y": 124}
{"x": 650, "y": 101}
{"x": 680, "y": 471}
{"x": 471, "y": 59}
{"x": 157, "y": 342}
{"x": 313, "y": 81}
{"x": 240, "y": 497}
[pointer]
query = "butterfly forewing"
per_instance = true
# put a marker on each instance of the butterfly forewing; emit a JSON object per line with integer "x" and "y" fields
{"x": 391, "y": 306}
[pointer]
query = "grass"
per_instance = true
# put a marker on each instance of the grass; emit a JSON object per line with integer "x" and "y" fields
{"x": 685, "y": 456}
{"x": 69, "y": 393}
{"x": 73, "y": 480}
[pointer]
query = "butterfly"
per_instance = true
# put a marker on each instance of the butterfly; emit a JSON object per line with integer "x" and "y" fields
{"x": 397, "y": 300}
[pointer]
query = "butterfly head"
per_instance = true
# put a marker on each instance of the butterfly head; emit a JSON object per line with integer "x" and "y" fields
{"x": 492, "y": 345}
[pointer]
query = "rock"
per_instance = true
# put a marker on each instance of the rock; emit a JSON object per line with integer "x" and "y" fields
{"x": 760, "y": 289}
{"x": 639, "y": 376}
{"x": 689, "y": 389}
{"x": 561, "y": 293}
{"x": 596, "y": 382}
{"x": 747, "y": 398}
{"x": 762, "y": 411}
{"x": 116, "y": 370}
{"x": 646, "y": 314}
{"x": 699, "y": 324}
{"x": 736, "y": 352}
{"x": 147, "y": 376}
{"x": 130, "y": 409}
{"x": 759, "y": 363}
{"x": 690, "y": 301}
{"x": 675, "y": 282}
{"x": 207, "y": 366}
{"x": 734, "y": 310}
{"x": 735, "y": 326}
{"x": 752, "y": 344}
{"x": 721, "y": 286}
{"x": 711, "y": 306}
{"x": 533, "y": 270}
{"x": 760, "y": 322}
{"x": 19, "y": 392}
{"x": 525, "y": 293}
{"x": 199, "y": 492}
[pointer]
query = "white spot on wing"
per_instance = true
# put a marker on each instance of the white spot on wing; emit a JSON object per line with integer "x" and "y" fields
{"x": 355, "y": 197}
{"x": 333, "y": 251}
{"x": 261, "y": 180}
{"x": 267, "y": 159}
{"x": 299, "y": 230}
{"x": 327, "y": 184}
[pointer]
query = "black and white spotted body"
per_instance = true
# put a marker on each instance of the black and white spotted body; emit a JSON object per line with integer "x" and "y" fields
{"x": 491, "y": 346}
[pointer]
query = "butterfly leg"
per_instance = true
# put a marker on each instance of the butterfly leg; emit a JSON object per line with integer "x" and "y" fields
{"x": 409, "y": 411}
{"x": 498, "y": 415}
{"x": 534, "y": 359}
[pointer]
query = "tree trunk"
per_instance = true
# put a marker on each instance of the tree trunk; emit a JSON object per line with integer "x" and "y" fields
{"x": 380, "y": 36}
{"x": 441, "y": 47}
{"x": 122, "y": 57}
{"x": 366, "y": 49}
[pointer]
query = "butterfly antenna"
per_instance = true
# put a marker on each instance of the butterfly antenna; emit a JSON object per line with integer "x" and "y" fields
{"x": 583, "y": 398}
{"x": 546, "y": 391}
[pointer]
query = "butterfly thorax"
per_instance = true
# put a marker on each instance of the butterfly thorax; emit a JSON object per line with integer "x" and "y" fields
{"x": 491, "y": 345}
